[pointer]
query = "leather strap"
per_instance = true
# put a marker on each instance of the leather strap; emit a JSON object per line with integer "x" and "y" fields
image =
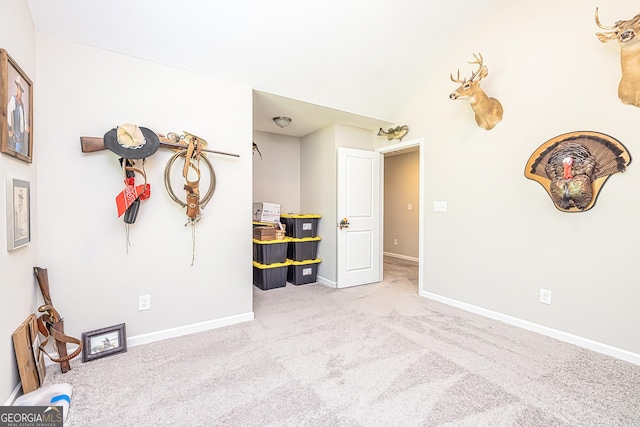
{"x": 187, "y": 159}
{"x": 46, "y": 327}
{"x": 193, "y": 193}
{"x": 146, "y": 192}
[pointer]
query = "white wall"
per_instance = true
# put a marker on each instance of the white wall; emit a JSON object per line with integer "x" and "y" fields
{"x": 352, "y": 137}
{"x": 276, "y": 176}
{"x": 19, "y": 292}
{"x": 94, "y": 281}
{"x": 318, "y": 180}
{"x": 502, "y": 239}
{"x": 318, "y": 194}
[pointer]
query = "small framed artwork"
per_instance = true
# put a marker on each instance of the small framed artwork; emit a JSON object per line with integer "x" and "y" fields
{"x": 104, "y": 342}
{"x": 16, "y": 109}
{"x": 18, "y": 213}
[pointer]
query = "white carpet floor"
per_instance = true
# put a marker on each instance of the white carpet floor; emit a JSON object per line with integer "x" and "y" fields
{"x": 374, "y": 355}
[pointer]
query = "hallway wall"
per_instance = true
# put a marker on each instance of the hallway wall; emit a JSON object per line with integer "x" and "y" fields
{"x": 401, "y": 188}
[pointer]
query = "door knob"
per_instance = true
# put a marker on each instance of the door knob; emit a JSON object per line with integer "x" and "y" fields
{"x": 344, "y": 223}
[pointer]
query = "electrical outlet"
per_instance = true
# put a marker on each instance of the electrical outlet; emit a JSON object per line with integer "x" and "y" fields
{"x": 395, "y": 242}
{"x": 545, "y": 296}
{"x": 144, "y": 302}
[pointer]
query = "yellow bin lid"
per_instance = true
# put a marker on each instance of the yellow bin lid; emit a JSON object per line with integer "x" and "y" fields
{"x": 274, "y": 265}
{"x": 271, "y": 242}
{"x": 290, "y": 215}
{"x": 306, "y": 261}
{"x": 303, "y": 239}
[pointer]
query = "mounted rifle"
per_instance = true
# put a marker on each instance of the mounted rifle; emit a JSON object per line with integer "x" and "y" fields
{"x": 89, "y": 144}
{"x": 187, "y": 146}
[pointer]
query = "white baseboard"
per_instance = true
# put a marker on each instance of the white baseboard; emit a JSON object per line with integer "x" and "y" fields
{"x": 173, "y": 332}
{"x": 618, "y": 353}
{"x": 16, "y": 392}
{"x": 156, "y": 336}
{"x": 404, "y": 257}
{"x": 327, "y": 282}
{"x": 188, "y": 329}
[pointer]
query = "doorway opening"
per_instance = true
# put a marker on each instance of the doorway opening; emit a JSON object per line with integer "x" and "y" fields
{"x": 402, "y": 171}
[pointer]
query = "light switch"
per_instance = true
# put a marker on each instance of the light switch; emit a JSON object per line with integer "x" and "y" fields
{"x": 439, "y": 206}
{"x": 409, "y": 207}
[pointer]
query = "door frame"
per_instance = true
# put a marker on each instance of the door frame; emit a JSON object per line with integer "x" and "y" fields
{"x": 418, "y": 142}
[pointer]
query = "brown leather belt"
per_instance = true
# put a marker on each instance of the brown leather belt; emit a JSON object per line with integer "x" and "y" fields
{"x": 50, "y": 324}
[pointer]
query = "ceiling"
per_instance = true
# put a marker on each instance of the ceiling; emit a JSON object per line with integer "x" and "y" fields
{"x": 334, "y": 61}
{"x": 305, "y": 117}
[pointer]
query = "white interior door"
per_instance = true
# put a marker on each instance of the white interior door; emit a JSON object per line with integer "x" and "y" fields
{"x": 359, "y": 254}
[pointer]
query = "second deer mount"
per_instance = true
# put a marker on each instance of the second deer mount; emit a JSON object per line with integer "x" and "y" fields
{"x": 625, "y": 32}
{"x": 488, "y": 110}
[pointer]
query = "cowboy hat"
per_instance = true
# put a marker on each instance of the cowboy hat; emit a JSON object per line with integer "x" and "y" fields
{"x": 18, "y": 83}
{"x": 131, "y": 142}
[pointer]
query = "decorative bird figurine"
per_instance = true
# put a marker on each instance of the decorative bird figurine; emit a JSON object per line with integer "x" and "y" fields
{"x": 572, "y": 167}
{"x": 395, "y": 133}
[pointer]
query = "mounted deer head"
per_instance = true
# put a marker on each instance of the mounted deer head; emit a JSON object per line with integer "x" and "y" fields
{"x": 488, "y": 110}
{"x": 626, "y": 33}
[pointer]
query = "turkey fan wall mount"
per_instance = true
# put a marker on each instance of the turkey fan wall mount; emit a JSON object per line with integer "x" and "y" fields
{"x": 574, "y": 166}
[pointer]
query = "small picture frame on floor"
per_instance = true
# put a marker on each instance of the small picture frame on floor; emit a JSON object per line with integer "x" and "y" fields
{"x": 104, "y": 342}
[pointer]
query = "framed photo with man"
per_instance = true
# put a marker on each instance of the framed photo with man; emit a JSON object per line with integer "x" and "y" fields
{"x": 16, "y": 106}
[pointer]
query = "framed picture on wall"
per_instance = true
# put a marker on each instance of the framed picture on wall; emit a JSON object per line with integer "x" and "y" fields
{"x": 16, "y": 106}
{"x": 18, "y": 213}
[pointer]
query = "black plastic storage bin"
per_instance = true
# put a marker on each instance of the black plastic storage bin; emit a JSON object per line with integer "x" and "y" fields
{"x": 303, "y": 272}
{"x": 270, "y": 276}
{"x": 270, "y": 251}
{"x": 300, "y": 225}
{"x": 302, "y": 249}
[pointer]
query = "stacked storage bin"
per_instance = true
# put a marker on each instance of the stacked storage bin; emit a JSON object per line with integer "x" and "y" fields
{"x": 269, "y": 261}
{"x": 302, "y": 230}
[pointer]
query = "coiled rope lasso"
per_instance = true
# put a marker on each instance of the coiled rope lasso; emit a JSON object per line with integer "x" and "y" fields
{"x": 167, "y": 179}
{"x": 194, "y": 207}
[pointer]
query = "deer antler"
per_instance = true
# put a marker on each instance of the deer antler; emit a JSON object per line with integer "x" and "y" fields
{"x": 602, "y": 26}
{"x": 463, "y": 81}
{"x": 478, "y": 61}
